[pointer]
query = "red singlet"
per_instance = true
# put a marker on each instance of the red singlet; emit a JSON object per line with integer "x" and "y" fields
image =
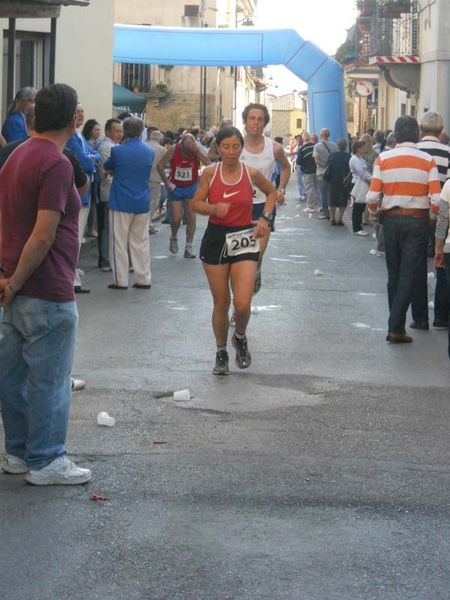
{"x": 239, "y": 195}
{"x": 183, "y": 170}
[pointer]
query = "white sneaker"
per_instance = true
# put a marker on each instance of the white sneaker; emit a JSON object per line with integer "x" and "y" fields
{"x": 61, "y": 471}
{"x": 14, "y": 464}
{"x": 361, "y": 233}
{"x": 307, "y": 209}
{"x": 78, "y": 384}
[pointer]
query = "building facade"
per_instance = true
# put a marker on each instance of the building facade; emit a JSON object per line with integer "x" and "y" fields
{"x": 289, "y": 116}
{"x": 82, "y": 39}
{"x": 397, "y": 61}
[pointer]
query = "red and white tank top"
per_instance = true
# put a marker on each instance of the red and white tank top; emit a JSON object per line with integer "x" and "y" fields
{"x": 183, "y": 170}
{"x": 239, "y": 195}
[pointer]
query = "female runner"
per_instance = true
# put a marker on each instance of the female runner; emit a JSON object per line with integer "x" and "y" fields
{"x": 230, "y": 246}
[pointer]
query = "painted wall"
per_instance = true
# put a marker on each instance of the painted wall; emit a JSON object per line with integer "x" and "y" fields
{"x": 84, "y": 55}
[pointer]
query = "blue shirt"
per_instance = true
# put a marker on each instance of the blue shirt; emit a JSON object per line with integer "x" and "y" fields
{"x": 132, "y": 163}
{"x": 78, "y": 145}
{"x": 14, "y": 128}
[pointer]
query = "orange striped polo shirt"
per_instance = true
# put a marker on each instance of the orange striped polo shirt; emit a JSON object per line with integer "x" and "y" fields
{"x": 407, "y": 177}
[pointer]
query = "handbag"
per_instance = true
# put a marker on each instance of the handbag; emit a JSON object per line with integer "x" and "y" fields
{"x": 347, "y": 181}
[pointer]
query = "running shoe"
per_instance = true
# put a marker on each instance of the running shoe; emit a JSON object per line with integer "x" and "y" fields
{"x": 173, "y": 246}
{"x": 61, "y": 471}
{"x": 257, "y": 282}
{"x": 243, "y": 357}
{"x": 221, "y": 367}
{"x": 14, "y": 464}
{"x": 188, "y": 253}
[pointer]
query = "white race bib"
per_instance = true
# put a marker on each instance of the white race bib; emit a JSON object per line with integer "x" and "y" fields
{"x": 241, "y": 242}
{"x": 258, "y": 196}
{"x": 183, "y": 174}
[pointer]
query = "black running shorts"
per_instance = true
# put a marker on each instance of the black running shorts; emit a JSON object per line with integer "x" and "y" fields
{"x": 213, "y": 247}
{"x": 258, "y": 210}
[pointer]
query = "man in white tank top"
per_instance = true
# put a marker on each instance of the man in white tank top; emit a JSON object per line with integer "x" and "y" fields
{"x": 261, "y": 153}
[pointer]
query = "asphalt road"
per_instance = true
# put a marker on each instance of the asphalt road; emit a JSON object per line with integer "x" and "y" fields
{"x": 321, "y": 473}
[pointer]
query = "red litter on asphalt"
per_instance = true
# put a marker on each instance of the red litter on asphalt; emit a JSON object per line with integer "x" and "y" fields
{"x": 99, "y": 498}
{"x": 156, "y": 442}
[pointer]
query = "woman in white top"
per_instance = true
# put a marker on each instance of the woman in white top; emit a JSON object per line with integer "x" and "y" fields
{"x": 361, "y": 183}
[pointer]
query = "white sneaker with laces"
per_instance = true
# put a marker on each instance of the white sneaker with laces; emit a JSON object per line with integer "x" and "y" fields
{"x": 61, "y": 471}
{"x": 361, "y": 233}
{"x": 14, "y": 465}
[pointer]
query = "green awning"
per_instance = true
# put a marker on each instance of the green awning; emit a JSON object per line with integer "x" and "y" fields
{"x": 125, "y": 100}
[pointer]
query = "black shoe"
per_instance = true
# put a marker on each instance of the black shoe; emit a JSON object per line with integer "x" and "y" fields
{"x": 141, "y": 286}
{"x": 440, "y": 324}
{"x": 221, "y": 367}
{"x": 333, "y": 222}
{"x": 243, "y": 356}
{"x": 78, "y": 289}
{"x": 114, "y": 286}
{"x": 422, "y": 325}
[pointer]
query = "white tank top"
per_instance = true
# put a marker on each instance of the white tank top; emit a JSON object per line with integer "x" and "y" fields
{"x": 263, "y": 161}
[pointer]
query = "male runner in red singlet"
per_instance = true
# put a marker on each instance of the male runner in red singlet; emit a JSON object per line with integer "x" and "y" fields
{"x": 184, "y": 159}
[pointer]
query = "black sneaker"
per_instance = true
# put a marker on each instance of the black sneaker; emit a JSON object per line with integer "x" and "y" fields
{"x": 221, "y": 367}
{"x": 243, "y": 356}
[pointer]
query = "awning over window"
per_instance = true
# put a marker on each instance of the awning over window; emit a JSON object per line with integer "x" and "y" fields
{"x": 36, "y": 9}
{"x": 125, "y": 100}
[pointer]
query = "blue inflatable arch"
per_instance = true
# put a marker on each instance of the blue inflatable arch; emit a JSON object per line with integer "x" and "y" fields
{"x": 238, "y": 47}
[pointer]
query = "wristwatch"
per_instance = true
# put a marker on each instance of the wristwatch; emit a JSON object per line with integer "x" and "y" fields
{"x": 267, "y": 216}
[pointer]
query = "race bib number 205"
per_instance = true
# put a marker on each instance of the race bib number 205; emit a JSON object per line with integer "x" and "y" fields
{"x": 241, "y": 242}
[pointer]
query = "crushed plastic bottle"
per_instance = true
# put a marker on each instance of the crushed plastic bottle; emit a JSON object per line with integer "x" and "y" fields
{"x": 318, "y": 273}
{"x": 103, "y": 418}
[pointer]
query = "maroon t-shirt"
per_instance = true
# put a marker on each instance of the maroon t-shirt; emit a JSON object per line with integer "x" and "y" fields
{"x": 37, "y": 176}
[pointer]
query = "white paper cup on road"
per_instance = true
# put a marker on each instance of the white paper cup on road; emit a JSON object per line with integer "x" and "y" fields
{"x": 182, "y": 395}
{"x": 103, "y": 418}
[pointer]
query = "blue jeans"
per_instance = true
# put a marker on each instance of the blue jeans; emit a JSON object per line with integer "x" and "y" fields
{"x": 447, "y": 272}
{"x": 36, "y": 355}
{"x": 301, "y": 185}
{"x": 323, "y": 190}
{"x": 405, "y": 242}
{"x": 441, "y": 303}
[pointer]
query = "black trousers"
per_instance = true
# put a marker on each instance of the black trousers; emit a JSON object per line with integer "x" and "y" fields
{"x": 357, "y": 213}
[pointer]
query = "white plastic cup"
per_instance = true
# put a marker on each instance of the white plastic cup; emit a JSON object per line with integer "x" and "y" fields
{"x": 182, "y": 395}
{"x": 103, "y": 418}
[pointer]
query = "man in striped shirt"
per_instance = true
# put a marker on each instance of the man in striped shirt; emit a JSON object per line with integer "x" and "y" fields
{"x": 408, "y": 179}
{"x": 431, "y": 126}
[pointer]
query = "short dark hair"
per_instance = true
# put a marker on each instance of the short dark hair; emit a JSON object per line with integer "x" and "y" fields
{"x": 124, "y": 115}
{"x": 133, "y": 127}
{"x": 248, "y": 108}
{"x": 357, "y": 146}
{"x": 109, "y": 124}
{"x": 55, "y": 107}
{"x": 228, "y": 132}
{"x": 406, "y": 129}
{"x": 88, "y": 127}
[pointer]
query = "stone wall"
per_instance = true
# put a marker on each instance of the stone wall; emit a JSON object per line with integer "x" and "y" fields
{"x": 179, "y": 110}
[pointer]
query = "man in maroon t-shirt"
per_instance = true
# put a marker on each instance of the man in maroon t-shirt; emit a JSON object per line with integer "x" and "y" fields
{"x": 39, "y": 248}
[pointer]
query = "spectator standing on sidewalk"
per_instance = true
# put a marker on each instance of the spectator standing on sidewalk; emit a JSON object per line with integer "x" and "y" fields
{"x": 307, "y": 165}
{"x": 431, "y": 126}
{"x": 39, "y": 250}
{"x": 409, "y": 180}
{"x": 322, "y": 152}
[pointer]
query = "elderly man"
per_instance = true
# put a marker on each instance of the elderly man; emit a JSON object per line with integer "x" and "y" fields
{"x": 86, "y": 157}
{"x": 184, "y": 159}
{"x": 322, "y": 152}
{"x": 129, "y": 204}
{"x": 38, "y": 251}
{"x": 154, "y": 142}
{"x": 409, "y": 181}
{"x": 113, "y": 136}
{"x": 307, "y": 165}
{"x": 431, "y": 126}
